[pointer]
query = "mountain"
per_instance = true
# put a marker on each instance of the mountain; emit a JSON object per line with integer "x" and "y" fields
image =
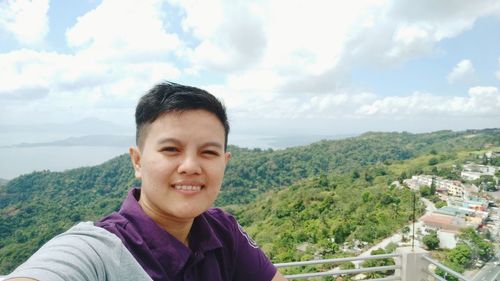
{"x": 304, "y": 194}
{"x": 81, "y": 127}
{"x": 254, "y": 171}
{"x": 3, "y": 181}
{"x": 90, "y": 140}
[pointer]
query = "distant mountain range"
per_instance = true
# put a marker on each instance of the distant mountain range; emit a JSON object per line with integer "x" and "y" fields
{"x": 85, "y": 126}
{"x": 3, "y": 181}
{"x": 90, "y": 140}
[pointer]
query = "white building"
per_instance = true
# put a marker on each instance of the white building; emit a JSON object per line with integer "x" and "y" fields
{"x": 473, "y": 171}
{"x": 451, "y": 187}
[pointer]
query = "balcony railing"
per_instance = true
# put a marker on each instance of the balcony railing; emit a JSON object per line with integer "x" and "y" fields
{"x": 447, "y": 270}
{"x": 410, "y": 265}
{"x": 342, "y": 272}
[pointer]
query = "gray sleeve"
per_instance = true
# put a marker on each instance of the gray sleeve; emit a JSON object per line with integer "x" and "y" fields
{"x": 84, "y": 252}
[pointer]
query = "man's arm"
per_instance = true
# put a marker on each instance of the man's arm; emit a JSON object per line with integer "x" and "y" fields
{"x": 278, "y": 277}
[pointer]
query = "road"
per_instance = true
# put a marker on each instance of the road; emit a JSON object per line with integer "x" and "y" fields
{"x": 489, "y": 272}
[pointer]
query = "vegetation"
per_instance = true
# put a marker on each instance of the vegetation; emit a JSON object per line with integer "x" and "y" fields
{"x": 377, "y": 263}
{"x": 298, "y": 203}
{"x": 470, "y": 247}
{"x": 431, "y": 240}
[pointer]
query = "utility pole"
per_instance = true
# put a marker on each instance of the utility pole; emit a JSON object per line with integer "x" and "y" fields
{"x": 413, "y": 235}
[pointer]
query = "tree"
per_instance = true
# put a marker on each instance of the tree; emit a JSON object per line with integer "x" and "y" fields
{"x": 460, "y": 255}
{"x": 448, "y": 276}
{"x": 432, "y": 189}
{"x": 440, "y": 204}
{"x": 431, "y": 241}
{"x": 480, "y": 247}
{"x": 425, "y": 191}
{"x": 402, "y": 177}
{"x": 433, "y": 161}
{"x": 378, "y": 262}
{"x": 347, "y": 265}
{"x": 405, "y": 231}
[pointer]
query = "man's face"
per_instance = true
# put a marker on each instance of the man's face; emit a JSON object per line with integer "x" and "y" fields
{"x": 181, "y": 164}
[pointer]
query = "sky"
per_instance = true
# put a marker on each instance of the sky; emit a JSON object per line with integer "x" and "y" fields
{"x": 281, "y": 67}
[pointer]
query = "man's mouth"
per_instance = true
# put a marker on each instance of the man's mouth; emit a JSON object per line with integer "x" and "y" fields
{"x": 188, "y": 187}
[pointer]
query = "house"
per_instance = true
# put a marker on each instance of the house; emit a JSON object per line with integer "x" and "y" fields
{"x": 450, "y": 223}
{"x": 472, "y": 171}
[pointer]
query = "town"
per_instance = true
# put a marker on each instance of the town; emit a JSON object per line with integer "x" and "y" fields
{"x": 471, "y": 202}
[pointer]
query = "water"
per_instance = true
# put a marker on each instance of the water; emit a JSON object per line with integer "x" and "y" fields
{"x": 21, "y": 160}
{"x": 18, "y": 160}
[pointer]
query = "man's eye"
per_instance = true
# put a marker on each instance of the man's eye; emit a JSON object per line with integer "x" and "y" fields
{"x": 210, "y": 152}
{"x": 170, "y": 149}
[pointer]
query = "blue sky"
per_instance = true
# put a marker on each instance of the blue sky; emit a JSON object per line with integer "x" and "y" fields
{"x": 281, "y": 67}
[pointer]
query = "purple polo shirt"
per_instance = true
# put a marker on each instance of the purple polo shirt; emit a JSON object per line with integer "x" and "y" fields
{"x": 218, "y": 248}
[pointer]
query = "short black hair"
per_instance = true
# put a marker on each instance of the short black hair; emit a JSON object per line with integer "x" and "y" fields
{"x": 168, "y": 97}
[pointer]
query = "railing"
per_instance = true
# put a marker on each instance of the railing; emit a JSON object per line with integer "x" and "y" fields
{"x": 411, "y": 265}
{"x": 342, "y": 272}
{"x": 446, "y": 269}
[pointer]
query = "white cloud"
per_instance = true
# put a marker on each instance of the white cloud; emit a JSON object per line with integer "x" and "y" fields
{"x": 70, "y": 87}
{"x": 113, "y": 63}
{"x": 26, "y": 20}
{"x": 462, "y": 72}
{"x": 274, "y": 59}
{"x": 481, "y": 101}
{"x": 122, "y": 30}
{"x": 231, "y": 34}
{"x": 314, "y": 46}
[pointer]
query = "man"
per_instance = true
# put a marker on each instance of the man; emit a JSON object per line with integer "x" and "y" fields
{"x": 165, "y": 230}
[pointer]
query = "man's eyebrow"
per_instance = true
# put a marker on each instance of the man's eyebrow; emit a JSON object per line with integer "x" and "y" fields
{"x": 213, "y": 143}
{"x": 165, "y": 140}
{"x": 178, "y": 142}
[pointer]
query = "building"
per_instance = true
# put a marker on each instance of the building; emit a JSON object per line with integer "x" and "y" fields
{"x": 450, "y": 223}
{"x": 417, "y": 181}
{"x": 450, "y": 187}
{"x": 474, "y": 171}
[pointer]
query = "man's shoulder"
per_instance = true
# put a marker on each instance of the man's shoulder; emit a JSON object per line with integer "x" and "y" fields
{"x": 91, "y": 234}
{"x": 83, "y": 252}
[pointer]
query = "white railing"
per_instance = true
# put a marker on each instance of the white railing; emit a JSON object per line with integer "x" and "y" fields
{"x": 345, "y": 271}
{"x": 447, "y": 270}
{"x": 411, "y": 265}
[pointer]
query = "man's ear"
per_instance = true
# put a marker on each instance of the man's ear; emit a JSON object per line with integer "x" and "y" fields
{"x": 227, "y": 156}
{"x": 135, "y": 157}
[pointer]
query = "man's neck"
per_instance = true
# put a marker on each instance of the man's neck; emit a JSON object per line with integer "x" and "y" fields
{"x": 177, "y": 227}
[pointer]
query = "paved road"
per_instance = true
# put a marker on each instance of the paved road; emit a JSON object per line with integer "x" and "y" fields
{"x": 489, "y": 272}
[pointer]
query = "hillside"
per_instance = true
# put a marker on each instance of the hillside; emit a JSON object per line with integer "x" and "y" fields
{"x": 252, "y": 172}
{"x": 323, "y": 189}
{"x": 3, "y": 181}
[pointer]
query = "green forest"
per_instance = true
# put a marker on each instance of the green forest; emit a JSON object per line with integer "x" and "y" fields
{"x": 297, "y": 203}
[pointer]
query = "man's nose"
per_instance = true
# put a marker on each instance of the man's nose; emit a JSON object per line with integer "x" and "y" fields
{"x": 189, "y": 165}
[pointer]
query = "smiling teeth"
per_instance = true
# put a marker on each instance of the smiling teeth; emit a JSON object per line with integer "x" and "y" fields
{"x": 188, "y": 187}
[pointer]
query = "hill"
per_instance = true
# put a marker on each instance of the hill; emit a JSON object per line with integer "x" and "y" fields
{"x": 328, "y": 186}
{"x": 3, "y": 181}
{"x": 253, "y": 172}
